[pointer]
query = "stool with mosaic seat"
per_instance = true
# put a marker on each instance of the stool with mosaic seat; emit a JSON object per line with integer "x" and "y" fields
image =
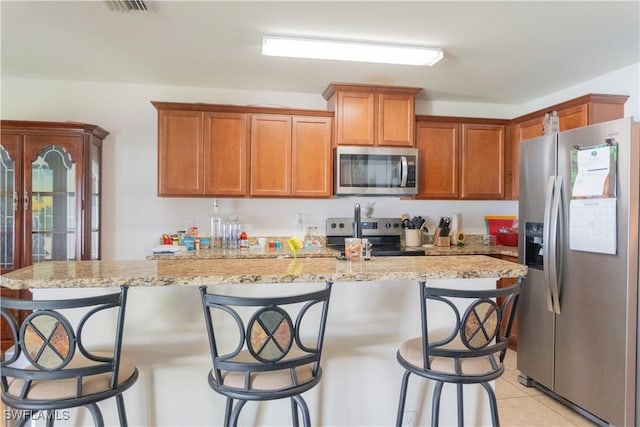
{"x": 472, "y": 351}
{"x": 48, "y": 369}
{"x": 276, "y": 352}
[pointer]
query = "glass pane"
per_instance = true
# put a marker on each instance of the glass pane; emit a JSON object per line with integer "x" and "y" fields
{"x": 7, "y": 209}
{"x": 53, "y": 206}
{"x": 95, "y": 201}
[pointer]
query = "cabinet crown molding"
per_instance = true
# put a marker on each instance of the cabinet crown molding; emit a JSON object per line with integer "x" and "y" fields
{"x": 38, "y": 126}
{"x": 357, "y": 87}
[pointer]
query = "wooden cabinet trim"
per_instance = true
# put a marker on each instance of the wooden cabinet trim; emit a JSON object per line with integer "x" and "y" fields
{"x": 220, "y": 108}
{"x": 585, "y": 99}
{"x": 355, "y": 87}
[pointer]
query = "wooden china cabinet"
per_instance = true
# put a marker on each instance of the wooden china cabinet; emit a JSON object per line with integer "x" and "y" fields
{"x": 50, "y": 192}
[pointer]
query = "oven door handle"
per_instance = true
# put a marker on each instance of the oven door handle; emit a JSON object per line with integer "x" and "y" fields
{"x": 404, "y": 171}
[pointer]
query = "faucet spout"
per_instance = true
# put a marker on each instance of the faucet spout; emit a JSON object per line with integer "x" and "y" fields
{"x": 357, "y": 223}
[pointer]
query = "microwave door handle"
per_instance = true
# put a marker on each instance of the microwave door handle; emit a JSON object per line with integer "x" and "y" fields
{"x": 404, "y": 170}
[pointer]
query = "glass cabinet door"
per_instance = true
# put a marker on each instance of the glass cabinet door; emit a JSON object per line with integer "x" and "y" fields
{"x": 95, "y": 201}
{"x": 53, "y": 205}
{"x": 9, "y": 203}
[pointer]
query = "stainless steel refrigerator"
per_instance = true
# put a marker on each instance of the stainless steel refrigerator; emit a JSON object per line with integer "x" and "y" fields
{"x": 577, "y": 318}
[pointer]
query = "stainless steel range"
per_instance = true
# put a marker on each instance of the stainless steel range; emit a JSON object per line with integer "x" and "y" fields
{"x": 383, "y": 233}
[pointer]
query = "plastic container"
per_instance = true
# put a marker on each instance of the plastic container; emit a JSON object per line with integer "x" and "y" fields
{"x": 495, "y": 223}
{"x": 508, "y": 237}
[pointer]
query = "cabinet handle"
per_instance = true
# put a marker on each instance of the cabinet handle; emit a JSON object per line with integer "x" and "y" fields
{"x": 26, "y": 200}
{"x": 16, "y": 201}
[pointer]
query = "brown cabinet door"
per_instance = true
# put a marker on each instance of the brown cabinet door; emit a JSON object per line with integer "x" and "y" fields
{"x": 526, "y": 130}
{"x": 482, "y": 173}
{"x": 53, "y": 175}
{"x": 270, "y": 155}
{"x": 396, "y": 120}
{"x": 180, "y": 153}
{"x": 311, "y": 157}
{"x": 355, "y": 118}
{"x": 226, "y": 154}
{"x": 438, "y": 151}
{"x": 575, "y": 117}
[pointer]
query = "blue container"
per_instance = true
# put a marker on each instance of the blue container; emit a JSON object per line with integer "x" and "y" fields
{"x": 189, "y": 243}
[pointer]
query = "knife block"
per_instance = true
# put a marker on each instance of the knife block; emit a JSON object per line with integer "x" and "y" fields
{"x": 440, "y": 240}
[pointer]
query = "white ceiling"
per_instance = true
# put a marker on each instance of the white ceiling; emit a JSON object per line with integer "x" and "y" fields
{"x": 495, "y": 52}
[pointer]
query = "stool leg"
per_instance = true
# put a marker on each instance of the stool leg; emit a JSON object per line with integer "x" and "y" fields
{"x": 96, "y": 414}
{"x": 236, "y": 412}
{"x": 403, "y": 397}
{"x": 493, "y": 403}
{"x": 227, "y": 411}
{"x": 122, "y": 413}
{"x": 50, "y": 416}
{"x": 435, "y": 404}
{"x": 306, "y": 419}
{"x": 294, "y": 413}
{"x": 460, "y": 406}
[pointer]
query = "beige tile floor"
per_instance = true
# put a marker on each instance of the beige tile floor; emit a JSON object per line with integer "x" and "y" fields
{"x": 523, "y": 406}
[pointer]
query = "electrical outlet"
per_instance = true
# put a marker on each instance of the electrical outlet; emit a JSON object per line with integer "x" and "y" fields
{"x": 409, "y": 419}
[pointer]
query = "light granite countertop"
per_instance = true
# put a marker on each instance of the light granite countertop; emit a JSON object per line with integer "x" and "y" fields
{"x": 191, "y": 272}
{"x": 325, "y": 252}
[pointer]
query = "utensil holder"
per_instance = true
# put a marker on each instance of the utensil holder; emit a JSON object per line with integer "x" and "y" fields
{"x": 440, "y": 240}
{"x": 412, "y": 238}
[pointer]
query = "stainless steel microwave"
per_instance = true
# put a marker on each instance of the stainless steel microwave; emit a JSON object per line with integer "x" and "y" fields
{"x": 376, "y": 171}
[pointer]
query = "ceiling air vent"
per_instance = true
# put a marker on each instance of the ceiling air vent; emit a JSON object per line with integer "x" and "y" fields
{"x": 127, "y": 5}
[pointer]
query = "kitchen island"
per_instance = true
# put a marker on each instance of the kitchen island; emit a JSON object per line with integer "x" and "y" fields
{"x": 374, "y": 307}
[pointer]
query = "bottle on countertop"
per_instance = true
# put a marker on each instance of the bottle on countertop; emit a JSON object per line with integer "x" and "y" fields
{"x": 217, "y": 231}
{"x": 298, "y": 229}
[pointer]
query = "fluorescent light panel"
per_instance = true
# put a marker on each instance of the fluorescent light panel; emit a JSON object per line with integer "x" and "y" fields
{"x": 350, "y": 51}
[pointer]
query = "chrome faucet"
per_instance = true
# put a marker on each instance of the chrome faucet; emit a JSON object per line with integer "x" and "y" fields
{"x": 357, "y": 223}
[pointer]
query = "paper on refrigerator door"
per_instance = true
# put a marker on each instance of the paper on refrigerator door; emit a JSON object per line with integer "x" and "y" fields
{"x": 592, "y": 225}
{"x": 593, "y": 167}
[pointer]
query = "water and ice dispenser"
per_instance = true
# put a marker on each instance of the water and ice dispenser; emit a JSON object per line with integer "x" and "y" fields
{"x": 533, "y": 245}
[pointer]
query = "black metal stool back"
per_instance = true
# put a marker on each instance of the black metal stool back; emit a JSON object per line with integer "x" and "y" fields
{"x": 277, "y": 352}
{"x": 472, "y": 351}
{"x": 48, "y": 368}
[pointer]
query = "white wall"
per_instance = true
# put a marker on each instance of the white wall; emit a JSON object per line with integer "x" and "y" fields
{"x": 134, "y": 216}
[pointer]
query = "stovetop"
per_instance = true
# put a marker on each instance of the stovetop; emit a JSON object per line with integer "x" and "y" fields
{"x": 383, "y": 234}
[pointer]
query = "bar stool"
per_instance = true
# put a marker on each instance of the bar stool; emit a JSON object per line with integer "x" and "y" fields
{"x": 48, "y": 367}
{"x": 471, "y": 352}
{"x": 277, "y": 353}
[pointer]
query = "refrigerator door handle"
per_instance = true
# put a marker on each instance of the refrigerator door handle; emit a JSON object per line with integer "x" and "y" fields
{"x": 547, "y": 240}
{"x": 554, "y": 253}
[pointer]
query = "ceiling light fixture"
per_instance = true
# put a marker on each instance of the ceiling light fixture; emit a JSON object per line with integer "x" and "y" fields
{"x": 350, "y": 51}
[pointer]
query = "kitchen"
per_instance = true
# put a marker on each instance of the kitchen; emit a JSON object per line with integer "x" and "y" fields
{"x": 130, "y": 152}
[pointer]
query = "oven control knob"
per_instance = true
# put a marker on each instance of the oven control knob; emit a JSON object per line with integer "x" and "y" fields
{"x": 333, "y": 225}
{"x": 341, "y": 225}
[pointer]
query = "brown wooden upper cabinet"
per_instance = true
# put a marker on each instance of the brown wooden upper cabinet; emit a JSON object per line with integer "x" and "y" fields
{"x": 460, "y": 160}
{"x": 372, "y": 115}
{"x": 291, "y": 156}
{"x": 583, "y": 111}
{"x": 482, "y": 165}
{"x": 438, "y": 145}
{"x": 201, "y": 153}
